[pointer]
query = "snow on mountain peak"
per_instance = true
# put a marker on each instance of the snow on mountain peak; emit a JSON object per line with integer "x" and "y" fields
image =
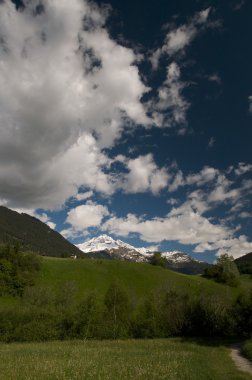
{"x": 126, "y": 251}
{"x": 107, "y": 243}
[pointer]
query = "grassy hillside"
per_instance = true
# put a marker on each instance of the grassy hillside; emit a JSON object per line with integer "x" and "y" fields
{"x": 170, "y": 359}
{"x": 138, "y": 278}
{"x": 31, "y": 234}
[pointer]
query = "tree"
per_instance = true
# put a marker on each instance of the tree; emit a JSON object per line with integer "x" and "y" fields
{"x": 117, "y": 310}
{"x": 158, "y": 260}
{"x": 224, "y": 271}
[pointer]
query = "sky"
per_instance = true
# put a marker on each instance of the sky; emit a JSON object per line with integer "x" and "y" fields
{"x": 132, "y": 119}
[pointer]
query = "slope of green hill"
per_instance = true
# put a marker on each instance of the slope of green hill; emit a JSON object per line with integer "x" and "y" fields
{"x": 31, "y": 234}
{"x": 138, "y": 278}
{"x": 244, "y": 263}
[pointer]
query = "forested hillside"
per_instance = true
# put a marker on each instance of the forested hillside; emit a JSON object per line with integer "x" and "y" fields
{"x": 31, "y": 234}
{"x": 244, "y": 263}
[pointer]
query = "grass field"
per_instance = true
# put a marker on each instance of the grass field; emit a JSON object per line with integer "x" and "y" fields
{"x": 138, "y": 278}
{"x": 171, "y": 359}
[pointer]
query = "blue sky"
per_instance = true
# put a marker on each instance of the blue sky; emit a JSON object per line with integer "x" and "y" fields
{"x": 129, "y": 119}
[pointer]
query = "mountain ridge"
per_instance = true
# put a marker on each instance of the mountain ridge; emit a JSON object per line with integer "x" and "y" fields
{"x": 105, "y": 247}
{"x": 31, "y": 234}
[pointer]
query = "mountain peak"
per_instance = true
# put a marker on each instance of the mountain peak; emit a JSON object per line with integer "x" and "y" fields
{"x": 105, "y": 247}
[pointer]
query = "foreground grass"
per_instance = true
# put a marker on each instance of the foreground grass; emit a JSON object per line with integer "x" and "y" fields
{"x": 247, "y": 350}
{"x": 171, "y": 359}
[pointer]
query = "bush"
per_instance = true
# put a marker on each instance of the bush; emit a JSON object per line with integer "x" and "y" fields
{"x": 17, "y": 270}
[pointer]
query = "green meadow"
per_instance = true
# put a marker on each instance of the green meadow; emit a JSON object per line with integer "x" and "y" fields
{"x": 171, "y": 359}
{"x": 139, "y": 279}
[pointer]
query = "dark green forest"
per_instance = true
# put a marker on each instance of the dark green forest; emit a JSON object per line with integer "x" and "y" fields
{"x": 31, "y": 234}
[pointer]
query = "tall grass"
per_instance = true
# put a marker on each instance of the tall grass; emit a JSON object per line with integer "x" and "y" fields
{"x": 171, "y": 359}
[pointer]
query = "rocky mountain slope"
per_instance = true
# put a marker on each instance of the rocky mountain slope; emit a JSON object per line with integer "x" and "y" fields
{"x": 105, "y": 247}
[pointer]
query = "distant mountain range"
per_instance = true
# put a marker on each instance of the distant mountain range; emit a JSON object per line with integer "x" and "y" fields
{"x": 32, "y": 234}
{"x": 105, "y": 247}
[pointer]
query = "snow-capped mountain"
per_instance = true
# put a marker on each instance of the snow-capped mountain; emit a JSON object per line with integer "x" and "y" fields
{"x": 118, "y": 249}
{"x": 105, "y": 246}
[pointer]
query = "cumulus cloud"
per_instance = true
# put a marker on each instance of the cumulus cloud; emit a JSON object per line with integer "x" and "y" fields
{"x": 89, "y": 215}
{"x": 185, "y": 227}
{"x": 143, "y": 175}
{"x": 58, "y": 67}
{"x": 179, "y": 38}
{"x": 183, "y": 224}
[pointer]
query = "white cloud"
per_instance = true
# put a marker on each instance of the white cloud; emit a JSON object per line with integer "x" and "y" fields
{"x": 235, "y": 247}
{"x": 250, "y": 103}
{"x": 143, "y": 175}
{"x": 82, "y": 217}
{"x": 178, "y": 38}
{"x": 222, "y": 191}
{"x": 215, "y": 78}
{"x": 52, "y": 225}
{"x": 243, "y": 168}
{"x": 211, "y": 142}
{"x": 186, "y": 227}
{"x": 153, "y": 248}
{"x": 66, "y": 92}
{"x": 206, "y": 175}
{"x": 172, "y": 201}
{"x": 84, "y": 196}
{"x": 245, "y": 215}
{"x": 170, "y": 98}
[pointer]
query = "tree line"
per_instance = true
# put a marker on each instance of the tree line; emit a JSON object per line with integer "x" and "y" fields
{"x": 164, "y": 313}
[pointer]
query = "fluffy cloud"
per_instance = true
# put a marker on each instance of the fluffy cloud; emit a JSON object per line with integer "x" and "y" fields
{"x": 220, "y": 187}
{"x": 85, "y": 216}
{"x": 185, "y": 227}
{"x": 178, "y": 38}
{"x": 143, "y": 175}
{"x": 66, "y": 89}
